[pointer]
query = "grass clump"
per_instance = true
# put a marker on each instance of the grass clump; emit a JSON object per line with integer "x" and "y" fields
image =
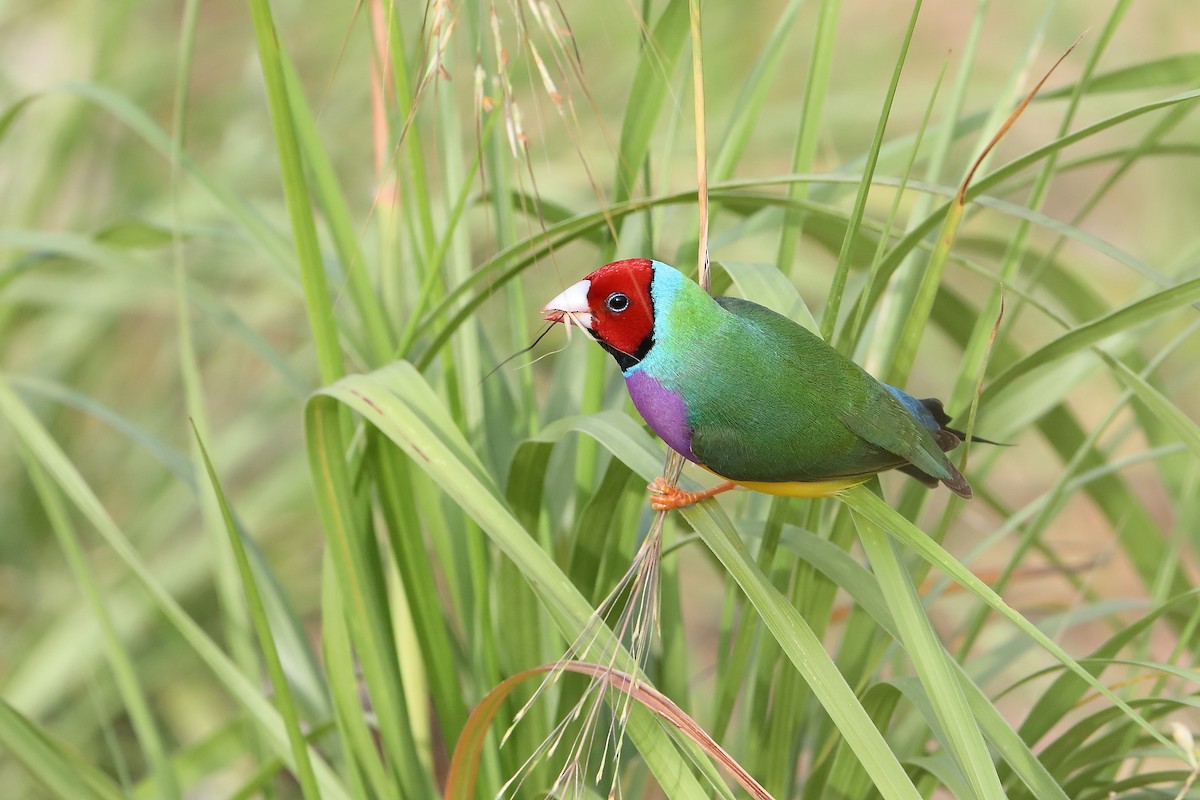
{"x": 268, "y": 531}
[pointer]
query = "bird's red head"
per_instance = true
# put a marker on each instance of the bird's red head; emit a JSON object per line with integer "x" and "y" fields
{"x": 614, "y": 303}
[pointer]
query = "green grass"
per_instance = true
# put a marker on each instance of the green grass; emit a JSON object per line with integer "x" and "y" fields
{"x": 267, "y": 531}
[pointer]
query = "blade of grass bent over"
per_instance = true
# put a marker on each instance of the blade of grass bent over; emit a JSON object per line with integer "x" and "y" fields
{"x": 460, "y": 778}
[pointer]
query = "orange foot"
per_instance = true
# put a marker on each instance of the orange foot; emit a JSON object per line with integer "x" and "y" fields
{"x": 664, "y": 497}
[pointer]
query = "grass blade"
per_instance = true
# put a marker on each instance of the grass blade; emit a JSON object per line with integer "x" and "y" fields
{"x": 63, "y": 772}
{"x": 262, "y": 626}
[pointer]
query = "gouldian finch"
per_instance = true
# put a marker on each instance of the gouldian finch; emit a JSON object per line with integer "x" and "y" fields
{"x": 750, "y": 395}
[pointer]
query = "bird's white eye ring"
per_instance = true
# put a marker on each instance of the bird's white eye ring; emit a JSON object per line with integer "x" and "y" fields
{"x": 617, "y": 302}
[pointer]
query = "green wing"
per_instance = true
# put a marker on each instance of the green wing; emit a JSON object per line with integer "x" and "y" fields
{"x": 885, "y": 423}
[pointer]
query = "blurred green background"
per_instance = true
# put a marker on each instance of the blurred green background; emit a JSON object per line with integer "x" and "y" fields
{"x": 100, "y": 227}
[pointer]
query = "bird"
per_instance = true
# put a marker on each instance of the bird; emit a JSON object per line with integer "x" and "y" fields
{"x": 750, "y": 395}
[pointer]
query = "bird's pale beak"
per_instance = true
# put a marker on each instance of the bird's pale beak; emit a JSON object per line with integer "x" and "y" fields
{"x": 572, "y": 302}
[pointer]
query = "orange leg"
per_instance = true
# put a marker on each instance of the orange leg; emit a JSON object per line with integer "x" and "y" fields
{"x": 665, "y": 498}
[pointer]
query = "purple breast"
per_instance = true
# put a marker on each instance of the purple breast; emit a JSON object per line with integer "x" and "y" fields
{"x": 663, "y": 410}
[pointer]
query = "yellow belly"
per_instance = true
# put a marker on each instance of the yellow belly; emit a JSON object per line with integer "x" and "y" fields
{"x": 799, "y": 488}
{"x": 804, "y": 488}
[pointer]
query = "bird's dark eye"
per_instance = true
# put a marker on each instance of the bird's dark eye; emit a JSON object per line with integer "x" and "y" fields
{"x": 616, "y": 302}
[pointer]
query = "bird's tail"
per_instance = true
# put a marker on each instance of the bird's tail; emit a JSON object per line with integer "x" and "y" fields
{"x": 947, "y": 438}
{"x": 938, "y": 412}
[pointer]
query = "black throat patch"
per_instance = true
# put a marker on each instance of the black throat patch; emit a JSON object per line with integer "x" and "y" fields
{"x": 627, "y": 360}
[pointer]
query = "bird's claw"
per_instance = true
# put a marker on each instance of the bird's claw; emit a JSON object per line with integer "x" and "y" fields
{"x": 665, "y": 497}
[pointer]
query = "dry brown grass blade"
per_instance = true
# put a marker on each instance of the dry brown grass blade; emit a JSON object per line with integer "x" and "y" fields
{"x": 922, "y": 301}
{"x": 380, "y": 87}
{"x": 437, "y": 30}
{"x": 554, "y": 74}
{"x": 567, "y": 62}
{"x": 960, "y": 198}
{"x": 460, "y": 779}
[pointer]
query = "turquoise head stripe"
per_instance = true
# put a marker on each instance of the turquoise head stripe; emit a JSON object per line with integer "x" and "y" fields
{"x": 674, "y": 319}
